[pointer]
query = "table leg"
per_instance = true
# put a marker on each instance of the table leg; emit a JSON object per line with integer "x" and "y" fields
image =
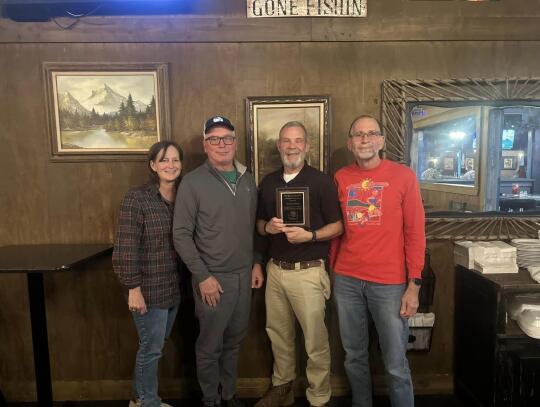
{"x": 40, "y": 342}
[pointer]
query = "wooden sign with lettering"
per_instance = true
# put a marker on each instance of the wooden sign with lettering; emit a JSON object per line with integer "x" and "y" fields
{"x": 306, "y": 8}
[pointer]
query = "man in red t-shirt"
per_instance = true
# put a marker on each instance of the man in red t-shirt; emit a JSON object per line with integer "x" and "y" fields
{"x": 377, "y": 261}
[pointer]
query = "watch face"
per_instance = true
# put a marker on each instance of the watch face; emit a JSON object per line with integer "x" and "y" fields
{"x": 417, "y": 281}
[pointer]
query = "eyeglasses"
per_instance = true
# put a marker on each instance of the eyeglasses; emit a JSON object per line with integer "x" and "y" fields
{"x": 370, "y": 135}
{"x": 215, "y": 140}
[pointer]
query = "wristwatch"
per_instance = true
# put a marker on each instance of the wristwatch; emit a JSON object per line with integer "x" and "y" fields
{"x": 313, "y": 236}
{"x": 416, "y": 281}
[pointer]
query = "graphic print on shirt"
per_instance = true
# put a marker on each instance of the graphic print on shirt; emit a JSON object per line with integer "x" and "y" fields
{"x": 364, "y": 202}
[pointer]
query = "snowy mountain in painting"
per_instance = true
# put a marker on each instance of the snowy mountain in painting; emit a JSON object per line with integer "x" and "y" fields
{"x": 106, "y": 100}
{"x": 68, "y": 103}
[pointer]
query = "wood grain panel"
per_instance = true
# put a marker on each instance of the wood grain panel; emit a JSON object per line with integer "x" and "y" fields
{"x": 158, "y": 29}
{"x": 91, "y": 336}
{"x": 441, "y": 201}
{"x": 97, "y": 215}
{"x": 16, "y": 360}
{"x": 25, "y": 218}
{"x": 338, "y": 73}
{"x": 179, "y": 29}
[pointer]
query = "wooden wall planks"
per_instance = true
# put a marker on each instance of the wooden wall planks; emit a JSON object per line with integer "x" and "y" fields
{"x": 158, "y": 29}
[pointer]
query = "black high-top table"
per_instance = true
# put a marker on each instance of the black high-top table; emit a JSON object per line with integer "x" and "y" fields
{"x": 34, "y": 261}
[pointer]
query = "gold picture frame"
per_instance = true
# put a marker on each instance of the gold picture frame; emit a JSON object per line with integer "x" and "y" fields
{"x": 105, "y": 111}
{"x": 265, "y": 115}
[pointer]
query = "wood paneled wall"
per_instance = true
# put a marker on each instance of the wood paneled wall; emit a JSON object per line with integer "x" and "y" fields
{"x": 215, "y": 62}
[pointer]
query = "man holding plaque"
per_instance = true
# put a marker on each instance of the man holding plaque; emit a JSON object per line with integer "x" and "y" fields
{"x": 299, "y": 211}
{"x": 213, "y": 230}
{"x": 378, "y": 262}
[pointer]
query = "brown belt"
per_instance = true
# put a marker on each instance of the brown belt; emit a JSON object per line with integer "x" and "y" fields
{"x": 297, "y": 266}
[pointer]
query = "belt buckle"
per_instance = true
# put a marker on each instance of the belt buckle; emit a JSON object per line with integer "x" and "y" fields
{"x": 284, "y": 265}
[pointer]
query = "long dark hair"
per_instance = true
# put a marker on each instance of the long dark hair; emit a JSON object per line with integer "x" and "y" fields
{"x": 156, "y": 152}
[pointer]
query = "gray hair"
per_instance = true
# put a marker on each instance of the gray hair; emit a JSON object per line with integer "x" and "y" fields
{"x": 294, "y": 123}
{"x": 364, "y": 116}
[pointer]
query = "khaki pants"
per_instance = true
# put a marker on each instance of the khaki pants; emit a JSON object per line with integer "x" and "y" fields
{"x": 301, "y": 294}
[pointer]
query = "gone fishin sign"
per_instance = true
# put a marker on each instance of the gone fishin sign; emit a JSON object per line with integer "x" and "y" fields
{"x": 306, "y": 8}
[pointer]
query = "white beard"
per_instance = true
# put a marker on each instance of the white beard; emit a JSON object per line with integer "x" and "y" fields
{"x": 293, "y": 164}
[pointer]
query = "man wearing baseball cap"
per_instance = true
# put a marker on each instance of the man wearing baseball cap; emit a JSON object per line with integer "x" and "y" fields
{"x": 214, "y": 224}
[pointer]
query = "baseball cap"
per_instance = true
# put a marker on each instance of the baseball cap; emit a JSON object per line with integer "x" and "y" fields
{"x": 215, "y": 121}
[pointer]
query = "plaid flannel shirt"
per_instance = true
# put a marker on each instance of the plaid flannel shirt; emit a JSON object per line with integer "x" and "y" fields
{"x": 144, "y": 255}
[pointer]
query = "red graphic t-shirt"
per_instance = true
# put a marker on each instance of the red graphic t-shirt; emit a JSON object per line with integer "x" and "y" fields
{"x": 384, "y": 238}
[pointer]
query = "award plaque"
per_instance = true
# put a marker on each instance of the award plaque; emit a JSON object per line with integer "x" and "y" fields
{"x": 292, "y": 205}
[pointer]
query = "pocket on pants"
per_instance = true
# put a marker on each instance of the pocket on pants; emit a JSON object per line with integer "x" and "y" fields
{"x": 325, "y": 283}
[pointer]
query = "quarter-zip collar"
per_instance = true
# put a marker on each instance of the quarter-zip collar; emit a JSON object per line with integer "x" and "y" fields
{"x": 241, "y": 168}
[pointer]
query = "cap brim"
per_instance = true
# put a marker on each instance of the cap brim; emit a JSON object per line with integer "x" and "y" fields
{"x": 220, "y": 124}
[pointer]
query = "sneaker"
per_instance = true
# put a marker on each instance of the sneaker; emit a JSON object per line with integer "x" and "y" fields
{"x": 277, "y": 396}
{"x": 137, "y": 403}
{"x": 234, "y": 402}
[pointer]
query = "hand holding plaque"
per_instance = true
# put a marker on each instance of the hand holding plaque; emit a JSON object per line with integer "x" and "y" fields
{"x": 292, "y": 205}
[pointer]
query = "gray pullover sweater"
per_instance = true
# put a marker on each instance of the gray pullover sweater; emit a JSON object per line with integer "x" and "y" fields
{"x": 214, "y": 224}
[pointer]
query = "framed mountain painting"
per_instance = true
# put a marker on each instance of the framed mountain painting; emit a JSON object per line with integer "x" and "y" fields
{"x": 105, "y": 111}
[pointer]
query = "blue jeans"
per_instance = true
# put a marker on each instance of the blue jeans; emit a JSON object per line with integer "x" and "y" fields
{"x": 153, "y": 328}
{"x": 354, "y": 299}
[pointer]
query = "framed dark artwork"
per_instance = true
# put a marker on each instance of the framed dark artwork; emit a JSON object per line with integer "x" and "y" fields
{"x": 105, "y": 111}
{"x": 448, "y": 163}
{"x": 509, "y": 163}
{"x": 266, "y": 115}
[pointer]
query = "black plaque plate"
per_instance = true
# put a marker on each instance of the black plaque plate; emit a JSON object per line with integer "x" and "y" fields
{"x": 292, "y": 206}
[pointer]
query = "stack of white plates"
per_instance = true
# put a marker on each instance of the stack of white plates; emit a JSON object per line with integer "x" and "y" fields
{"x": 525, "y": 309}
{"x": 528, "y": 252}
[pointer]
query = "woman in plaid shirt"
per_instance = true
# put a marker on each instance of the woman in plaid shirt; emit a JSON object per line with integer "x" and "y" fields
{"x": 147, "y": 266}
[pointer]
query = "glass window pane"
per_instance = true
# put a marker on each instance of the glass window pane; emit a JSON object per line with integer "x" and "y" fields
{"x": 519, "y": 160}
{"x": 444, "y": 144}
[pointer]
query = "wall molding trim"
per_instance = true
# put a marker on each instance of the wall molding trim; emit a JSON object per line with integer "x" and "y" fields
{"x": 24, "y": 391}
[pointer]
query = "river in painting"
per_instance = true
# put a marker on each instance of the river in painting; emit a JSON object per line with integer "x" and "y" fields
{"x": 99, "y": 138}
